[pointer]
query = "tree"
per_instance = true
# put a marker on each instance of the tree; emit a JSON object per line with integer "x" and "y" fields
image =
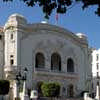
{"x": 4, "y": 87}
{"x": 61, "y": 6}
{"x": 50, "y": 89}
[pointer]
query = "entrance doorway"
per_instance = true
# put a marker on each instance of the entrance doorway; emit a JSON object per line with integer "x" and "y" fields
{"x": 70, "y": 90}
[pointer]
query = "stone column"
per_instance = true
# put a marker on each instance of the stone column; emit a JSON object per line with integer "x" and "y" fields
{"x": 16, "y": 94}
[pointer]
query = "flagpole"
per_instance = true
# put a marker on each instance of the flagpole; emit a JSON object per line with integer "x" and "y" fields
{"x": 56, "y": 17}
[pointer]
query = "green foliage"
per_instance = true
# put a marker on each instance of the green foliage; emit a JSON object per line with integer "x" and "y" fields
{"x": 4, "y": 87}
{"x": 61, "y": 6}
{"x": 50, "y": 89}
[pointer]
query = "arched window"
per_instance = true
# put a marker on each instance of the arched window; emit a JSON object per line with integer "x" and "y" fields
{"x": 55, "y": 62}
{"x": 70, "y": 65}
{"x": 39, "y": 60}
{"x": 70, "y": 90}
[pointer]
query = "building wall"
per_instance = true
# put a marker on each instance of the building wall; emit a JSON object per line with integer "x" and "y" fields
{"x": 48, "y": 44}
{"x": 95, "y": 67}
{"x": 95, "y": 62}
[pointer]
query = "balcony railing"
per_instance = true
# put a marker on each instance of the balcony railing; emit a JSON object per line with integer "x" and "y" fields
{"x": 41, "y": 69}
{"x": 45, "y": 71}
{"x": 10, "y": 68}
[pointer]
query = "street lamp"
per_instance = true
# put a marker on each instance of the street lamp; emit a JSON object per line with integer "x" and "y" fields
{"x": 25, "y": 96}
{"x": 18, "y": 78}
{"x": 25, "y": 74}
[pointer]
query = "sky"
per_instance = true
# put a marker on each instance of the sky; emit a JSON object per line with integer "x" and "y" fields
{"x": 75, "y": 20}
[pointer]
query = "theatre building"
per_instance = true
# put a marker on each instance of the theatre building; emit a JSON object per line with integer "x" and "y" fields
{"x": 50, "y": 53}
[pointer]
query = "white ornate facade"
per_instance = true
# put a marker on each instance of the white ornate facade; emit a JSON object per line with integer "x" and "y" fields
{"x": 95, "y": 68}
{"x": 49, "y": 52}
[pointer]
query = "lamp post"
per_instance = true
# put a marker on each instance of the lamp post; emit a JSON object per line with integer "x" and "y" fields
{"x": 17, "y": 83}
{"x": 24, "y": 79}
{"x": 25, "y": 74}
{"x": 18, "y": 78}
{"x": 25, "y": 96}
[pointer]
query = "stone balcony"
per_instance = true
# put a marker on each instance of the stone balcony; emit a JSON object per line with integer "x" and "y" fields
{"x": 10, "y": 71}
{"x": 65, "y": 75}
{"x": 10, "y": 68}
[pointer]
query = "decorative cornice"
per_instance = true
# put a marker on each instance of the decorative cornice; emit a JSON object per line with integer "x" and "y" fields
{"x": 31, "y": 28}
